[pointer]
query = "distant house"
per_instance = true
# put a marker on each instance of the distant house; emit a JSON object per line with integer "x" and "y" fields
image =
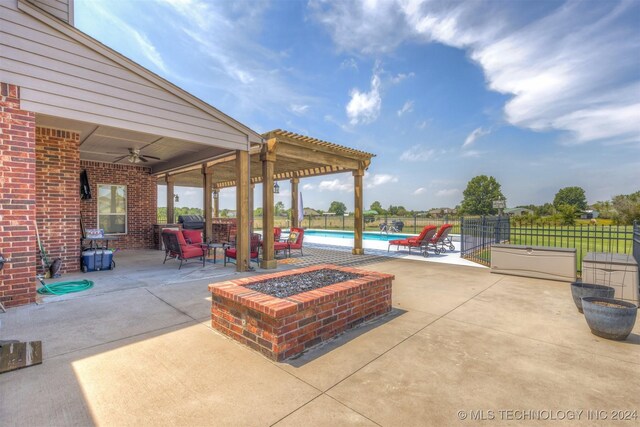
{"x": 589, "y": 214}
{"x": 441, "y": 212}
{"x": 311, "y": 212}
{"x": 518, "y": 211}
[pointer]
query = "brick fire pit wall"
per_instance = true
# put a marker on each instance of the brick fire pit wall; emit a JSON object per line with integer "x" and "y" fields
{"x": 283, "y": 327}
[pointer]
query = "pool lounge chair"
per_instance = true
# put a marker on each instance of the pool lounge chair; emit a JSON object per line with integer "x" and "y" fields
{"x": 441, "y": 241}
{"x": 421, "y": 240}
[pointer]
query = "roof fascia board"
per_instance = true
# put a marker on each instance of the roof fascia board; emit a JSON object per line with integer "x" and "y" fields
{"x": 88, "y": 41}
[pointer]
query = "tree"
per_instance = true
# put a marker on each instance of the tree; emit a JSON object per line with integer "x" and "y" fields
{"x": 627, "y": 208}
{"x": 376, "y": 206}
{"x": 572, "y": 196}
{"x": 479, "y": 195}
{"x": 257, "y": 212}
{"x": 567, "y": 214}
{"x": 337, "y": 208}
{"x": 278, "y": 208}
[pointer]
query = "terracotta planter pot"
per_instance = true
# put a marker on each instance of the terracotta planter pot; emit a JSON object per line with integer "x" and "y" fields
{"x": 609, "y": 318}
{"x": 581, "y": 290}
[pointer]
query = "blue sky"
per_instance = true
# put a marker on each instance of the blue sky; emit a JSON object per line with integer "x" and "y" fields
{"x": 539, "y": 94}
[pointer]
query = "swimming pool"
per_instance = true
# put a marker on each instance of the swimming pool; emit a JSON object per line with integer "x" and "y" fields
{"x": 349, "y": 235}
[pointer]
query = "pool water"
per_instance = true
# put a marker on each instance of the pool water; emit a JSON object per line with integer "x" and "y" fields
{"x": 384, "y": 237}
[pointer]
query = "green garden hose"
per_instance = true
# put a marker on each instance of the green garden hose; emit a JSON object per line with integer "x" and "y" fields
{"x": 62, "y": 288}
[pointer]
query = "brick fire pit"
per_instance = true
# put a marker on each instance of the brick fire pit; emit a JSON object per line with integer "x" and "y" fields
{"x": 283, "y": 327}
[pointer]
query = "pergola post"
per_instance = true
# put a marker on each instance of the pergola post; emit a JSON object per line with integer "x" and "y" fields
{"x": 295, "y": 213}
{"x": 216, "y": 205}
{"x": 357, "y": 212}
{"x": 268, "y": 257}
{"x": 207, "y": 181}
{"x": 170, "y": 194}
{"x": 242, "y": 210}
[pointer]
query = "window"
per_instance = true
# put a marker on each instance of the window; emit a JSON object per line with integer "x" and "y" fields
{"x": 112, "y": 208}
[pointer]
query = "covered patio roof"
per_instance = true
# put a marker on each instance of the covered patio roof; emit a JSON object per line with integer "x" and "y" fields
{"x": 297, "y": 156}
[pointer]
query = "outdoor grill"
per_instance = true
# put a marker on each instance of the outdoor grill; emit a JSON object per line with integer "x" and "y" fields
{"x": 191, "y": 222}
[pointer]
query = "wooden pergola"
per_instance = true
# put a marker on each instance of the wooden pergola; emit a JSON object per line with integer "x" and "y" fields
{"x": 283, "y": 156}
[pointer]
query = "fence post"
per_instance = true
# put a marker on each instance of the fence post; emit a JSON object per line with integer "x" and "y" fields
{"x": 415, "y": 224}
{"x": 309, "y": 221}
{"x": 343, "y": 222}
{"x": 325, "y": 222}
{"x": 461, "y": 236}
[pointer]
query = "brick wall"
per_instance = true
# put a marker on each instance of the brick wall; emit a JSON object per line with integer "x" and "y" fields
{"x": 141, "y": 201}
{"x": 58, "y": 195}
{"x": 17, "y": 199}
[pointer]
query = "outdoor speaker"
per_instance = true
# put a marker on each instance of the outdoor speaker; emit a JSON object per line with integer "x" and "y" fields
{"x": 85, "y": 189}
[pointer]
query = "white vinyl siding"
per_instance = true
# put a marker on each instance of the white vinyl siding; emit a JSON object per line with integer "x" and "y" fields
{"x": 61, "y": 9}
{"x": 62, "y": 77}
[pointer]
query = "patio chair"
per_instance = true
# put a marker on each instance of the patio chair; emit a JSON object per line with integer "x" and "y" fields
{"x": 422, "y": 239}
{"x": 441, "y": 241}
{"x": 296, "y": 236}
{"x": 175, "y": 246}
{"x": 254, "y": 255}
{"x": 278, "y": 244}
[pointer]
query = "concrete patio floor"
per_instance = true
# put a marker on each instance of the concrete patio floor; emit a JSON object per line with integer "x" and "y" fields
{"x": 459, "y": 339}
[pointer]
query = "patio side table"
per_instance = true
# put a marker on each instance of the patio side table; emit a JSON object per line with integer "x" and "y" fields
{"x": 215, "y": 247}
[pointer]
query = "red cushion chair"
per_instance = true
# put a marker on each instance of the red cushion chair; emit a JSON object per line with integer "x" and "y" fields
{"x": 176, "y": 247}
{"x": 296, "y": 236}
{"x": 422, "y": 239}
{"x": 231, "y": 253}
{"x": 277, "y": 232}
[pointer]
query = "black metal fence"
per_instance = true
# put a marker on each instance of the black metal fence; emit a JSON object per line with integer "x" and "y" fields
{"x": 411, "y": 225}
{"x": 636, "y": 242}
{"x": 478, "y": 234}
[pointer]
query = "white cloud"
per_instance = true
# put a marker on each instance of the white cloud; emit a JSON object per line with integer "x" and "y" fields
{"x": 307, "y": 187}
{"x": 406, "y": 108}
{"x": 448, "y": 192}
{"x": 145, "y": 46}
{"x": 376, "y": 180}
{"x": 400, "y": 77}
{"x": 364, "y": 107}
{"x": 471, "y": 153}
{"x": 420, "y": 190}
{"x": 572, "y": 69}
{"x": 349, "y": 63}
{"x": 473, "y": 136}
{"x": 423, "y": 125}
{"x": 418, "y": 153}
{"x": 335, "y": 185}
{"x": 298, "y": 109}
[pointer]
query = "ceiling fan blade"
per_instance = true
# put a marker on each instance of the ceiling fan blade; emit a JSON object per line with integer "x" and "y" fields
{"x": 142, "y": 159}
{"x": 120, "y": 158}
{"x": 152, "y": 157}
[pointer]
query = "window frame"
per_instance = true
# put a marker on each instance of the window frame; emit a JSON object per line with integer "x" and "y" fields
{"x": 126, "y": 209}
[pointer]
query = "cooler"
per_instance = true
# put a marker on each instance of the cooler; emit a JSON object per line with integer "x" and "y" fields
{"x": 97, "y": 259}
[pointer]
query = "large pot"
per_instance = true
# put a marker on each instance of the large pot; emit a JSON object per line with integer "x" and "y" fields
{"x": 609, "y": 318}
{"x": 581, "y": 290}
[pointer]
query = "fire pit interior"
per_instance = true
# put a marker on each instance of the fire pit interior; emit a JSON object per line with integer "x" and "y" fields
{"x": 286, "y": 286}
{"x": 282, "y": 314}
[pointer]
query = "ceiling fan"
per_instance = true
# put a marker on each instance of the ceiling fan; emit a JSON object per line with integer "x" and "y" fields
{"x": 134, "y": 156}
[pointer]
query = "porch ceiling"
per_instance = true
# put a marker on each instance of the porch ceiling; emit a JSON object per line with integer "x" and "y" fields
{"x": 295, "y": 156}
{"x": 108, "y": 144}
